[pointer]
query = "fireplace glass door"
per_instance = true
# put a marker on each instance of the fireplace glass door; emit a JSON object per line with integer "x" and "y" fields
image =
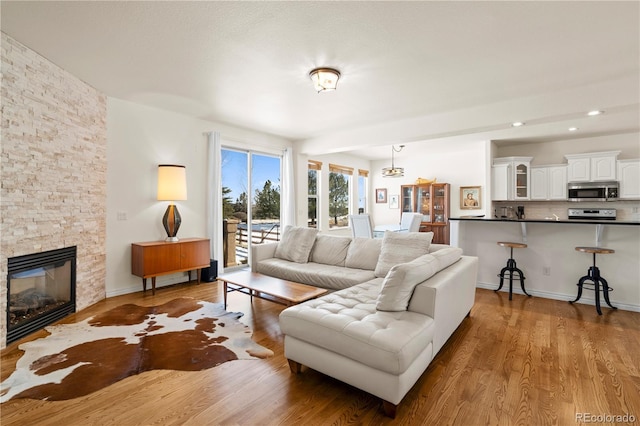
{"x": 41, "y": 290}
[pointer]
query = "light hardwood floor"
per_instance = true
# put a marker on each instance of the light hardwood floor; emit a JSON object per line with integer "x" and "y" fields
{"x": 529, "y": 361}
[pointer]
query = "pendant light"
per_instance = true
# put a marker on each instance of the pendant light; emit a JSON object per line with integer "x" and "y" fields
{"x": 393, "y": 171}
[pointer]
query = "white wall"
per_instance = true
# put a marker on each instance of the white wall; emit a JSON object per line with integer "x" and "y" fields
{"x": 459, "y": 164}
{"x": 553, "y": 152}
{"x": 138, "y": 139}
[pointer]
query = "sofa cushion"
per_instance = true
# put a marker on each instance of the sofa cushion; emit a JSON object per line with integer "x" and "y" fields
{"x": 401, "y": 247}
{"x": 296, "y": 244}
{"x": 346, "y": 322}
{"x": 330, "y": 250}
{"x": 363, "y": 253}
{"x": 316, "y": 274}
{"x": 398, "y": 285}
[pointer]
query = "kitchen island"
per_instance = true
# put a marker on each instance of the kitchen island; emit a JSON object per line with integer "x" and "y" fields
{"x": 550, "y": 263}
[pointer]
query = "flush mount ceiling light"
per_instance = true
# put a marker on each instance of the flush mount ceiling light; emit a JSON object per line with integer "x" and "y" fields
{"x": 594, "y": 113}
{"x": 324, "y": 79}
{"x": 517, "y": 124}
{"x": 573, "y": 129}
{"x": 393, "y": 171}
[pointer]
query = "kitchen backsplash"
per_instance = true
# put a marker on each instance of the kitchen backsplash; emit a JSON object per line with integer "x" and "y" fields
{"x": 628, "y": 211}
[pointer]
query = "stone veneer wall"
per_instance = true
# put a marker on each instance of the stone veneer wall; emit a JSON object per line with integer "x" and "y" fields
{"x": 53, "y": 169}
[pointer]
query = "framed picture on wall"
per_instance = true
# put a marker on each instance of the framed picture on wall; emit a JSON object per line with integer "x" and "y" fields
{"x": 470, "y": 197}
{"x": 381, "y": 195}
{"x": 394, "y": 201}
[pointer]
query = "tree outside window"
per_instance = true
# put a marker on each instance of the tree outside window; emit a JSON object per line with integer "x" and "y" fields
{"x": 338, "y": 199}
{"x": 312, "y": 199}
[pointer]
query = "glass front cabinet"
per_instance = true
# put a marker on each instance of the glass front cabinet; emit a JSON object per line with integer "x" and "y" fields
{"x": 408, "y": 204}
{"x": 511, "y": 178}
{"x": 432, "y": 201}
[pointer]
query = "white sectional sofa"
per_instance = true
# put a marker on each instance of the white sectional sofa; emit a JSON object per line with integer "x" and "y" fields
{"x": 394, "y": 303}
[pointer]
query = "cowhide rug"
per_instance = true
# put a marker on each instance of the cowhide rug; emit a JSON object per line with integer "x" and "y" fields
{"x": 77, "y": 359}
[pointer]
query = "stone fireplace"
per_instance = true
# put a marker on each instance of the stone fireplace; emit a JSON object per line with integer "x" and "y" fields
{"x": 41, "y": 289}
{"x": 53, "y": 169}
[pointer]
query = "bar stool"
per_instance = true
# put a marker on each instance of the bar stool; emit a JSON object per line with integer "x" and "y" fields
{"x": 594, "y": 276}
{"x": 511, "y": 268}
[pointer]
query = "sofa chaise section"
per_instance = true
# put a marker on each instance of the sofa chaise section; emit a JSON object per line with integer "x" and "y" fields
{"x": 383, "y": 353}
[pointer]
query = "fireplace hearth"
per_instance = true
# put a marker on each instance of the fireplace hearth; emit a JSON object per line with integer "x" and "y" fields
{"x": 41, "y": 290}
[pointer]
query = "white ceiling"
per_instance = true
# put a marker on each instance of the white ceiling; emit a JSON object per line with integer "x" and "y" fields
{"x": 411, "y": 71}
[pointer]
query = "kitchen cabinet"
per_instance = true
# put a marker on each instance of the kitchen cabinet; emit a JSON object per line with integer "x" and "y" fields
{"x": 629, "y": 176}
{"x": 549, "y": 182}
{"x": 511, "y": 178}
{"x": 592, "y": 167}
{"x": 408, "y": 195}
{"x": 155, "y": 258}
{"x": 499, "y": 179}
{"x": 432, "y": 201}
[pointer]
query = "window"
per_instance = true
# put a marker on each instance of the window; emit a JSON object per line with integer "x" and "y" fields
{"x": 339, "y": 189}
{"x": 312, "y": 200}
{"x": 363, "y": 178}
{"x": 250, "y": 202}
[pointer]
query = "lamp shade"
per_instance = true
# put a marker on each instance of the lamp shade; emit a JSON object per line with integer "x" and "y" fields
{"x": 172, "y": 182}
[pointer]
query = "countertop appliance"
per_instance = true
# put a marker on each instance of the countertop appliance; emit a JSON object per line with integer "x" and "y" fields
{"x": 593, "y": 191}
{"x": 592, "y": 214}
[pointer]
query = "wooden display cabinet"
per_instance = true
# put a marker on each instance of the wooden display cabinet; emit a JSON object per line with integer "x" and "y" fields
{"x": 433, "y": 202}
{"x": 155, "y": 258}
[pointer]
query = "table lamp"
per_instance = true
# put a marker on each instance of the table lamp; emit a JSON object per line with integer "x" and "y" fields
{"x": 172, "y": 186}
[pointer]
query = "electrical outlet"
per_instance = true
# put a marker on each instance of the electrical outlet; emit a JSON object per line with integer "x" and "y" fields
{"x": 122, "y": 216}
{"x": 546, "y": 270}
{"x": 634, "y": 210}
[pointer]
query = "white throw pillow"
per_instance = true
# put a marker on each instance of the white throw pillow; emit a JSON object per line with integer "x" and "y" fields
{"x": 330, "y": 250}
{"x": 363, "y": 253}
{"x": 398, "y": 285}
{"x": 447, "y": 256}
{"x": 401, "y": 247}
{"x": 296, "y": 244}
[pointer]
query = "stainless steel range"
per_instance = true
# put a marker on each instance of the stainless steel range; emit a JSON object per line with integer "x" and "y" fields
{"x": 592, "y": 214}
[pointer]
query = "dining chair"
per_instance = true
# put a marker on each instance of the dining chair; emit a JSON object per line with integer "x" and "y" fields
{"x": 361, "y": 225}
{"x": 410, "y": 222}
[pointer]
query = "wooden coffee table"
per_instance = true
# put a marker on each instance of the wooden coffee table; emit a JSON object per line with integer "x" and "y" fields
{"x": 257, "y": 285}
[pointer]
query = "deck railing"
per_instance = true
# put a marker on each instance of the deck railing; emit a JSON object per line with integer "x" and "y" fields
{"x": 236, "y": 247}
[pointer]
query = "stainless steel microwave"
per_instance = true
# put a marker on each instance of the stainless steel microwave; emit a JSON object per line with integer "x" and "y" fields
{"x": 593, "y": 191}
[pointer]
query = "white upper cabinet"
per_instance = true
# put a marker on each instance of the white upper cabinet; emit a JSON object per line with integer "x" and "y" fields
{"x": 511, "y": 178}
{"x": 592, "y": 167}
{"x": 539, "y": 183}
{"x": 500, "y": 182}
{"x": 629, "y": 176}
{"x": 549, "y": 182}
{"x": 558, "y": 182}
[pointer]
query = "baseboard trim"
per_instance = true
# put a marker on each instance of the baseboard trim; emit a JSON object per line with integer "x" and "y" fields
{"x": 163, "y": 281}
{"x": 560, "y": 296}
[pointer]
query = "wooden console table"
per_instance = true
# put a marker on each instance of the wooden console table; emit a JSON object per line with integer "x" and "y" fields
{"x": 154, "y": 258}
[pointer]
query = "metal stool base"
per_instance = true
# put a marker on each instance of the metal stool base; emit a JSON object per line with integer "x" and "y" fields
{"x": 508, "y": 272}
{"x": 598, "y": 284}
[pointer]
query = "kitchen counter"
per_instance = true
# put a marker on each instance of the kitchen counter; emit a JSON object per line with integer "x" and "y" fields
{"x": 572, "y": 221}
{"x": 523, "y": 224}
{"x": 550, "y": 262}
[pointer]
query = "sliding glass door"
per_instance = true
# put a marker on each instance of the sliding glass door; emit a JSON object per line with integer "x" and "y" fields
{"x": 250, "y": 202}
